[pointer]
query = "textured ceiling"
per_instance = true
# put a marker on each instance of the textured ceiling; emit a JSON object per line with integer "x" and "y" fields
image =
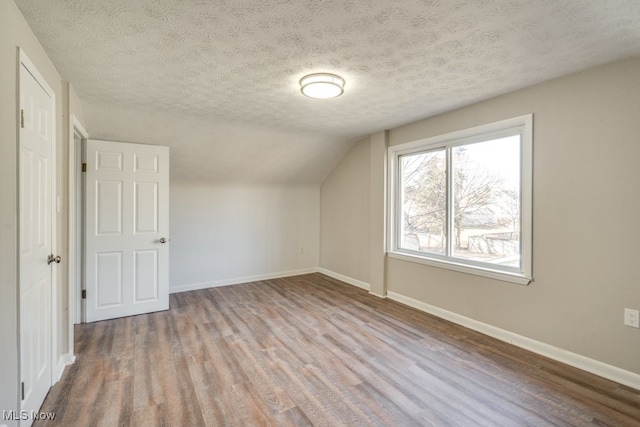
{"x": 240, "y": 61}
{"x": 403, "y": 59}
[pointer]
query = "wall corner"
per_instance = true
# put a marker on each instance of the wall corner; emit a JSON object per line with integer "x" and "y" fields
{"x": 378, "y": 211}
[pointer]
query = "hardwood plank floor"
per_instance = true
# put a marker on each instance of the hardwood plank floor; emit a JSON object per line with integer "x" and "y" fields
{"x": 310, "y": 350}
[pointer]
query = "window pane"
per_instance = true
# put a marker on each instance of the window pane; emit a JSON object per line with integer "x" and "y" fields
{"x": 424, "y": 202}
{"x": 486, "y": 201}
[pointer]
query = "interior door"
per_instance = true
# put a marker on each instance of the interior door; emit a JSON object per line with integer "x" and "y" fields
{"x": 36, "y": 190}
{"x": 126, "y": 229}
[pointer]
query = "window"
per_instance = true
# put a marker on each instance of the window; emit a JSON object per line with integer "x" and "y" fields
{"x": 463, "y": 200}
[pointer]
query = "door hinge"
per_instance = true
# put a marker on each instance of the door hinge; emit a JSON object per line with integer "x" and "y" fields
{"x": 22, "y": 118}
{"x": 84, "y": 294}
{"x": 84, "y": 167}
{"x": 23, "y": 391}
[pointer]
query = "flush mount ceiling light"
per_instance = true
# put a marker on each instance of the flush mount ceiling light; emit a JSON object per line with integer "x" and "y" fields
{"x": 322, "y": 85}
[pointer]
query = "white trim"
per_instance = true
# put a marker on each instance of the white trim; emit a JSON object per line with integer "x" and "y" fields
{"x": 247, "y": 279}
{"x": 239, "y": 280}
{"x": 477, "y": 271}
{"x": 498, "y": 128}
{"x": 69, "y": 358}
{"x": 64, "y": 361}
{"x": 76, "y": 125}
{"x": 346, "y": 279}
{"x": 73, "y": 292}
{"x": 377, "y": 295}
{"x": 596, "y": 367}
{"x": 33, "y": 70}
{"x": 522, "y": 125}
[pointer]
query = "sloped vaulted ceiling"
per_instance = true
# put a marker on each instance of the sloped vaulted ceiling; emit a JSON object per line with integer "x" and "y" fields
{"x": 230, "y": 69}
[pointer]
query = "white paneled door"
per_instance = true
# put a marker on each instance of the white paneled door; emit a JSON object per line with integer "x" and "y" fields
{"x": 126, "y": 229}
{"x": 36, "y": 210}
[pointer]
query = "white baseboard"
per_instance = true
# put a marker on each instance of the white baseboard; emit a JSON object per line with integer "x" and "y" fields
{"x": 377, "y": 295}
{"x": 596, "y": 367}
{"x": 239, "y": 280}
{"x": 346, "y": 279}
{"x": 63, "y": 361}
{"x": 69, "y": 358}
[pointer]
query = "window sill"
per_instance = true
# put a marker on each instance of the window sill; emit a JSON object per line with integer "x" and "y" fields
{"x": 504, "y": 276}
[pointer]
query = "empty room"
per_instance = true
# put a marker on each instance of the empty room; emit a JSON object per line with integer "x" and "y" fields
{"x": 336, "y": 212}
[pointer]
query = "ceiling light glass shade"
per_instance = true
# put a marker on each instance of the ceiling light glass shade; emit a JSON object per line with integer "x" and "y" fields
{"x": 322, "y": 85}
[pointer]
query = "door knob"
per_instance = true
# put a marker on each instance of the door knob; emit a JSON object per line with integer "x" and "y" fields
{"x": 163, "y": 240}
{"x": 51, "y": 258}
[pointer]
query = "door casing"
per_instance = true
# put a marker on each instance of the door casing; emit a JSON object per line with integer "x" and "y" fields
{"x": 75, "y": 209}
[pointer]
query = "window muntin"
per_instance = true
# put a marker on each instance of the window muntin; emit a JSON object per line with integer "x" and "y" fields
{"x": 464, "y": 199}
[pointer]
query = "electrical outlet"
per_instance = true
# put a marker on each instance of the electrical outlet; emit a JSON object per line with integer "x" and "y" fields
{"x": 632, "y": 318}
{"x": 301, "y": 250}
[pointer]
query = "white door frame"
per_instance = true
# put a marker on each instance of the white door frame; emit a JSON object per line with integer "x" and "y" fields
{"x": 74, "y": 226}
{"x": 26, "y": 62}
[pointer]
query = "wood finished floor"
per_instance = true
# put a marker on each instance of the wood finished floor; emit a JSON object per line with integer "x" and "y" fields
{"x": 310, "y": 350}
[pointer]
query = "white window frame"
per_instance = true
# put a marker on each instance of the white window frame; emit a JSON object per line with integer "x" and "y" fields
{"x": 522, "y": 125}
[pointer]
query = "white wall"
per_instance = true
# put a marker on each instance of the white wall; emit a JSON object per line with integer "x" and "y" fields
{"x": 222, "y": 234}
{"x": 15, "y": 32}
{"x": 586, "y": 213}
{"x": 243, "y": 198}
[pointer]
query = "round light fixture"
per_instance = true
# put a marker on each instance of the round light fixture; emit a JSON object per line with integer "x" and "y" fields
{"x": 322, "y": 85}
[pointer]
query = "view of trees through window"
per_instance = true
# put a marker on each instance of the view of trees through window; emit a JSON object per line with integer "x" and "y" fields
{"x": 485, "y": 215}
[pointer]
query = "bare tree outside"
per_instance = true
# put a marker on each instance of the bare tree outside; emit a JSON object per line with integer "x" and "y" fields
{"x": 425, "y": 201}
{"x": 486, "y": 215}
